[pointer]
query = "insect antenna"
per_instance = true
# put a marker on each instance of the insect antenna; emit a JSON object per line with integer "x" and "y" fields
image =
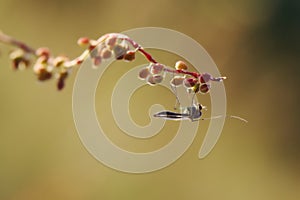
{"x": 229, "y": 116}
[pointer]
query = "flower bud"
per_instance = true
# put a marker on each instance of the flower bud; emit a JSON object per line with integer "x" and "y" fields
{"x": 190, "y": 82}
{"x": 18, "y": 53}
{"x": 205, "y": 77}
{"x": 119, "y": 51}
{"x": 177, "y": 81}
{"x": 154, "y": 79}
{"x": 94, "y": 52}
{"x": 43, "y": 51}
{"x": 156, "y": 68}
{"x": 204, "y": 88}
{"x": 19, "y": 59}
{"x": 83, "y": 41}
{"x": 97, "y": 61}
{"x": 20, "y": 63}
{"x": 43, "y": 74}
{"x": 61, "y": 79}
{"x": 105, "y": 53}
{"x": 129, "y": 56}
{"x": 196, "y": 88}
{"x": 63, "y": 74}
{"x": 110, "y": 42}
{"x": 144, "y": 73}
{"x": 180, "y": 65}
{"x": 38, "y": 67}
{"x": 60, "y": 84}
{"x": 59, "y": 60}
{"x": 158, "y": 78}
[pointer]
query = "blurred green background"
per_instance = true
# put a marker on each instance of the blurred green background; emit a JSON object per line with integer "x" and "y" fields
{"x": 254, "y": 43}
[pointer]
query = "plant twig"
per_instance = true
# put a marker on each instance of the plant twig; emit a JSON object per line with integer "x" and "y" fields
{"x": 119, "y": 45}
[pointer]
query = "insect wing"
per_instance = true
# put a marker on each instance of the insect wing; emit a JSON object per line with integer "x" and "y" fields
{"x": 172, "y": 115}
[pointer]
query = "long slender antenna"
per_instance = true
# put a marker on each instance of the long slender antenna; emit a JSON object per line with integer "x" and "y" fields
{"x": 229, "y": 116}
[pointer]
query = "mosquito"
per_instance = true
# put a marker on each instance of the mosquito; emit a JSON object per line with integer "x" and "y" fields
{"x": 192, "y": 113}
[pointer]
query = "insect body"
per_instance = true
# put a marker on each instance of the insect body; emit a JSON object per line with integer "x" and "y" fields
{"x": 192, "y": 113}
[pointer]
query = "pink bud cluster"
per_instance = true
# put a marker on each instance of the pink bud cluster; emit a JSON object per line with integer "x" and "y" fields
{"x": 110, "y": 45}
{"x": 45, "y": 66}
{"x": 193, "y": 82}
{"x": 153, "y": 74}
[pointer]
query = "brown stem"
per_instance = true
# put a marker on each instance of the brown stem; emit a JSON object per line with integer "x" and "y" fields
{"x": 147, "y": 55}
{"x": 6, "y": 39}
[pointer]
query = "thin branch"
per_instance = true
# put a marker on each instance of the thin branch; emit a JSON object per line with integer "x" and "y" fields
{"x": 102, "y": 48}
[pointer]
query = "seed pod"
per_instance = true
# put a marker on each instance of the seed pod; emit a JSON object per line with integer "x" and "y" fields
{"x": 58, "y": 61}
{"x": 156, "y": 68}
{"x": 38, "y": 67}
{"x": 189, "y": 82}
{"x": 83, "y": 41}
{"x": 196, "y": 88}
{"x": 180, "y": 65}
{"x": 144, "y": 73}
{"x": 19, "y": 58}
{"x": 43, "y": 51}
{"x": 119, "y": 51}
{"x": 110, "y": 42}
{"x": 154, "y": 79}
{"x": 60, "y": 84}
{"x": 129, "y": 56}
{"x": 97, "y": 61}
{"x": 44, "y": 74}
{"x": 204, "y": 88}
{"x": 105, "y": 53}
{"x": 158, "y": 78}
{"x": 94, "y": 52}
{"x": 177, "y": 81}
{"x": 150, "y": 80}
{"x": 20, "y": 63}
{"x": 61, "y": 79}
{"x": 63, "y": 74}
{"x": 205, "y": 77}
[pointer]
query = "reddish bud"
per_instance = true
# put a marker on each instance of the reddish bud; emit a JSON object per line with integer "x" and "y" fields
{"x": 129, "y": 56}
{"x": 97, "y": 60}
{"x": 78, "y": 61}
{"x": 177, "y": 81}
{"x": 156, "y": 68}
{"x": 58, "y": 61}
{"x": 204, "y": 78}
{"x": 204, "y": 88}
{"x": 150, "y": 80}
{"x": 83, "y": 41}
{"x": 196, "y": 88}
{"x": 44, "y": 74}
{"x": 180, "y": 65}
{"x": 19, "y": 63}
{"x": 43, "y": 51}
{"x": 63, "y": 74}
{"x": 190, "y": 82}
{"x": 105, "y": 53}
{"x": 119, "y": 51}
{"x": 111, "y": 41}
{"x": 144, "y": 73}
{"x": 158, "y": 78}
{"x": 60, "y": 84}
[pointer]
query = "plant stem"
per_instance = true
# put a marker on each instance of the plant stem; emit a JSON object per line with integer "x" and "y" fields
{"x": 6, "y": 39}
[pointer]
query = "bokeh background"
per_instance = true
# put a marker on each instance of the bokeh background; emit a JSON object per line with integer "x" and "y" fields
{"x": 255, "y": 43}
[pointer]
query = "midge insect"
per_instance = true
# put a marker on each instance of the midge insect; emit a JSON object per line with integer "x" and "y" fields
{"x": 192, "y": 113}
